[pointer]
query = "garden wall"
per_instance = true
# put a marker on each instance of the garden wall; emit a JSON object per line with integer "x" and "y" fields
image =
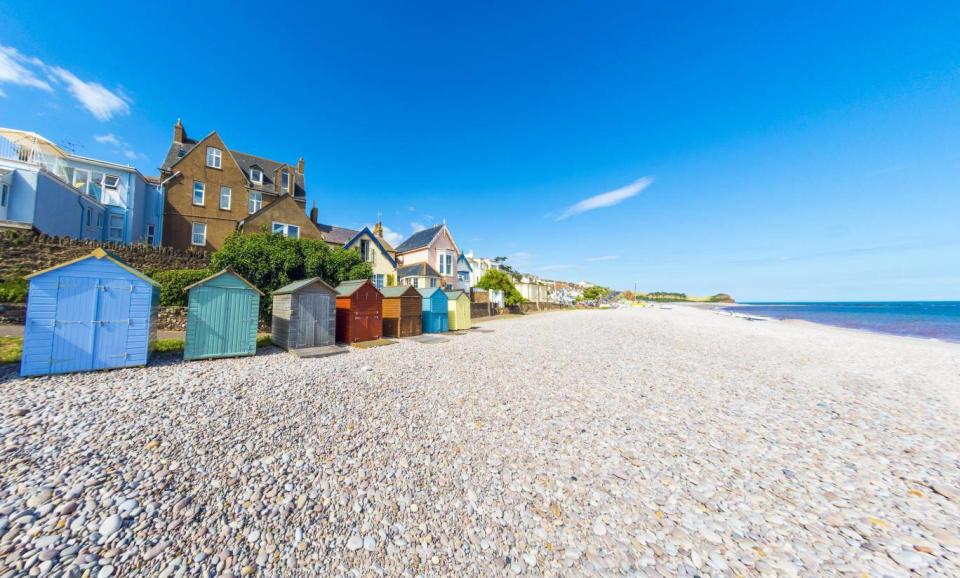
{"x": 22, "y": 253}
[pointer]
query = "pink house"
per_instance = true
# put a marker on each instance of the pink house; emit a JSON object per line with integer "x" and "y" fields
{"x": 434, "y": 247}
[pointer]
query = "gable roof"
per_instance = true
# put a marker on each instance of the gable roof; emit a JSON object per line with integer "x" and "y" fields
{"x": 417, "y": 270}
{"x": 336, "y": 235}
{"x": 98, "y": 253}
{"x": 269, "y": 206}
{"x": 244, "y": 161}
{"x": 428, "y": 292}
{"x": 420, "y": 239}
{"x": 298, "y": 285}
{"x": 228, "y": 270}
{"x": 376, "y": 240}
{"x": 463, "y": 258}
{"x": 454, "y": 294}
{"x": 398, "y": 291}
{"x": 348, "y": 288}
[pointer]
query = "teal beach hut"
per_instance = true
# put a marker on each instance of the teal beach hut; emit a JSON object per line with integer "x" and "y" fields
{"x": 95, "y": 312}
{"x": 435, "y": 315}
{"x": 222, "y": 317}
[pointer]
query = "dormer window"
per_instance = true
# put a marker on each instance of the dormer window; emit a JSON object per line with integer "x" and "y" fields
{"x": 256, "y": 176}
{"x": 111, "y": 182}
{"x": 214, "y": 157}
{"x": 285, "y": 181}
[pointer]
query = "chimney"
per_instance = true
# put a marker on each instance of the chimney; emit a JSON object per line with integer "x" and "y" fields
{"x": 313, "y": 213}
{"x": 178, "y": 133}
{"x": 378, "y": 229}
{"x": 300, "y": 166}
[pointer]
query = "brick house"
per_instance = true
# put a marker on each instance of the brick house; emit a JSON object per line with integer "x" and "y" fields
{"x": 211, "y": 191}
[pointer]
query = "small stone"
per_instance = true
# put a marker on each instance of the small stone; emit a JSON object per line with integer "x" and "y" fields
{"x": 247, "y": 570}
{"x": 910, "y": 559}
{"x": 156, "y": 550}
{"x": 19, "y": 412}
{"x": 105, "y": 572}
{"x": 110, "y": 525}
{"x": 369, "y": 543}
{"x": 39, "y": 499}
{"x": 355, "y": 542}
{"x": 599, "y": 528}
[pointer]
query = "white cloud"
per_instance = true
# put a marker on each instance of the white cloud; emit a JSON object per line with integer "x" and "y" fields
{"x": 417, "y": 227}
{"x": 13, "y": 69}
{"x": 391, "y": 236}
{"x": 607, "y": 199}
{"x": 108, "y": 138}
{"x": 101, "y": 102}
{"x": 2, "y": 93}
{"x": 604, "y": 258}
{"x": 130, "y": 154}
{"x": 411, "y": 209}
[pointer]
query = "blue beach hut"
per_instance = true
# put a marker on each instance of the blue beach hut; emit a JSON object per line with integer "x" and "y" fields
{"x": 435, "y": 307}
{"x": 91, "y": 313}
{"x": 222, "y": 317}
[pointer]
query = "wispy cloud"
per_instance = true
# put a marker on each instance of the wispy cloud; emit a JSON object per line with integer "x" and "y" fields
{"x": 521, "y": 255}
{"x": 108, "y": 138}
{"x": 14, "y": 69}
{"x": 604, "y": 258}
{"x": 411, "y": 209}
{"x": 607, "y": 199}
{"x": 391, "y": 236}
{"x": 101, "y": 102}
{"x": 557, "y": 267}
{"x": 417, "y": 227}
{"x": 22, "y": 70}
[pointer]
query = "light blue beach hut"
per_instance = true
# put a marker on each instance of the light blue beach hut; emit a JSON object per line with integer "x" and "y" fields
{"x": 435, "y": 315}
{"x": 95, "y": 312}
{"x": 222, "y": 316}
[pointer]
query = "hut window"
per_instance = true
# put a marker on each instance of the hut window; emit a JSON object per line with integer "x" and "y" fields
{"x": 198, "y": 192}
{"x": 199, "y": 234}
{"x": 225, "y": 197}
{"x": 378, "y": 281}
{"x": 254, "y": 202}
{"x": 214, "y": 157}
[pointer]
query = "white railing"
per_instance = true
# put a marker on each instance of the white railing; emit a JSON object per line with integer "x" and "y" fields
{"x": 8, "y": 150}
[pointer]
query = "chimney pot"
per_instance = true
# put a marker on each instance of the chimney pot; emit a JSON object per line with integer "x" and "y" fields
{"x": 178, "y": 132}
{"x": 313, "y": 215}
{"x": 300, "y": 166}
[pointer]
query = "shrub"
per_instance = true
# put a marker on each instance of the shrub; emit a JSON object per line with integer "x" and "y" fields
{"x": 499, "y": 280}
{"x": 13, "y": 290}
{"x": 173, "y": 282}
{"x": 271, "y": 261}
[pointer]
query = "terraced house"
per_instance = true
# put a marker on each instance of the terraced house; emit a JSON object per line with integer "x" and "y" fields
{"x": 212, "y": 191}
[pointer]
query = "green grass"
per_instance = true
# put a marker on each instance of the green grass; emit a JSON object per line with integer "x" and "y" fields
{"x": 10, "y": 349}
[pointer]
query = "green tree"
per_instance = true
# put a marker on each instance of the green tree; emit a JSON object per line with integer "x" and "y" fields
{"x": 500, "y": 280}
{"x": 595, "y": 292}
{"x": 271, "y": 261}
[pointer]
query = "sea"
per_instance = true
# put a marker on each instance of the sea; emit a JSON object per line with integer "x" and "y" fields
{"x": 925, "y": 319}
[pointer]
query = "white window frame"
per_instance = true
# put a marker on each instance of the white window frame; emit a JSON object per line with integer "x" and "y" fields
{"x": 111, "y": 182}
{"x": 445, "y": 266}
{"x": 203, "y": 233}
{"x": 229, "y": 192}
{"x": 110, "y": 228}
{"x": 416, "y": 282}
{"x": 285, "y": 176}
{"x": 433, "y": 281}
{"x": 203, "y": 193}
{"x": 215, "y": 154}
{"x": 285, "y": 229}
{"x": 254, "y": 202}
{"x": 256, "y": 179}
{"x": 378, "y": 280}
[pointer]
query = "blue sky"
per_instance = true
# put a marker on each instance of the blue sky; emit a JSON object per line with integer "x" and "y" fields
{"x": 771, "y": 152}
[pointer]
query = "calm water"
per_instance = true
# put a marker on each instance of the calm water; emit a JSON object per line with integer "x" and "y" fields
{"x": 930, "y": 319}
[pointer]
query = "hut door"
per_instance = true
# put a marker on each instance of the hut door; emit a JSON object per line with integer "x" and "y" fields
{"x": 307, "y": 322}
{"x": 237, "y": 322}
{"x": 73, "y": 325}
{"x": 113, "y": 323}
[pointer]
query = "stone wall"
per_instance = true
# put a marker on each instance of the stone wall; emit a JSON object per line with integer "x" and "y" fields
{"x": 12, "y": 313}
{"x": 529, "y": 307}
{"x": 22, "y": 253}
{"x": 175, "y": 319}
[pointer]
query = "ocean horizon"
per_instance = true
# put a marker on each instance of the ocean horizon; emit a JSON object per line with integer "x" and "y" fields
{"x": 923, "y": 319}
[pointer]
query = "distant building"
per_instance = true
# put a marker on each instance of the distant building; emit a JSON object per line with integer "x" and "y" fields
{"x": 436, "y": 248}
{"x": 533, "y": 289}
{"x": 479, "y": 266}
{"x": 45, "y": 188}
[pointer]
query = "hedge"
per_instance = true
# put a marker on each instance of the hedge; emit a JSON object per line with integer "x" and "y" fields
{"x": 173, "y": 282}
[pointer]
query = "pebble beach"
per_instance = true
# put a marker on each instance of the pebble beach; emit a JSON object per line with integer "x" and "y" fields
{"x": 632, "y": 442}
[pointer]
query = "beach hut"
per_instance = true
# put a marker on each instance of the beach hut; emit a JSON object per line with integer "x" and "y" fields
{"x": 458, "y": 307}
{"x": 435, "y": 316}
{"x": 359, "y": 311}
{"x": 304, "y": 315}
{"x": 222, "y": 316}
{"x": 402, "y": 312}
{"x": 95, "y": 312}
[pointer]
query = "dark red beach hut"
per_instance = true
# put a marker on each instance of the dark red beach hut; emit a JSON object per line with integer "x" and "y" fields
{"x": 359, "y": 311}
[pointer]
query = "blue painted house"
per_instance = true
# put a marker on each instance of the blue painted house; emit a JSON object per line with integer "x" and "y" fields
{"x": 95, "y": 312}
{"x": 435, "y": 310}
{"x": 45, "y": 188}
